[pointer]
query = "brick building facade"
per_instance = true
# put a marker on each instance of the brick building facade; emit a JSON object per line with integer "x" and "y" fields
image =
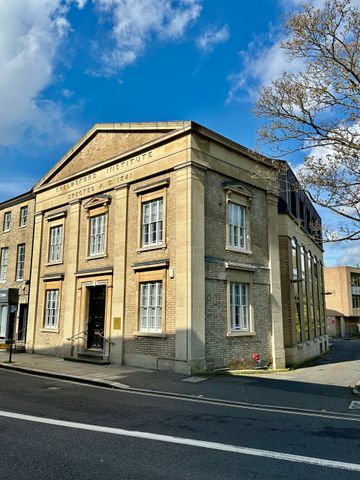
{"x": 165, "y": 245}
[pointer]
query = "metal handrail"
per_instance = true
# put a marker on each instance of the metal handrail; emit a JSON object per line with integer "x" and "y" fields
{"x": 104, "y": 338}
{"x": 78, "y": 335}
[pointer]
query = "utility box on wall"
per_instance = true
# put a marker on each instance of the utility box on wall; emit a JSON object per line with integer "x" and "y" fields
{"x": 9, "y": 298}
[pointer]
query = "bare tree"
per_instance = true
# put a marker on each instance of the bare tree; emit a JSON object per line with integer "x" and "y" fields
{"x": 317, "y": 110}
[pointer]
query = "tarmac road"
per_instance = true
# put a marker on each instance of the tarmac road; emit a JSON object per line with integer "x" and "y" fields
{"x": 79, "y": 431}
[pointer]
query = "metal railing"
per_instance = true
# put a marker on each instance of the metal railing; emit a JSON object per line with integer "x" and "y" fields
{"x": 80, "y": 335}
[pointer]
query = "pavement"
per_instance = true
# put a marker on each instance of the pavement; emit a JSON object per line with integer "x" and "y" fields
{"x": 337, "y": 369}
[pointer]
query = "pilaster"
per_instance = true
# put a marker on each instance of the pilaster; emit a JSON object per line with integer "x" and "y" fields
{"x": 69, "y": 287}
{"x": 278, "y": 350}
{"x": 119, "y": 273}
{"x": 190, "y": 275}
{"x": 33, "y": 316}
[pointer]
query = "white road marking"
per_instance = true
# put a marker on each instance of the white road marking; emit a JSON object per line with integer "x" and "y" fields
{"x": 321, "y": 462}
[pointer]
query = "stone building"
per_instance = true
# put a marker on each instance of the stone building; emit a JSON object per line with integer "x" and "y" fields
{"x": 342, "y": 285}
{"x": 159, "y": 245}
{"x": 16, "y": 227}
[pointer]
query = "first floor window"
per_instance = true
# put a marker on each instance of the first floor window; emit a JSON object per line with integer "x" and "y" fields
{"x": 51, "y": 308}
{"x": 24, "y": 211}
{"x": 152, "y": 222}
{"x": 236, "y": 226}
{"x": 7, "y": 221}
{"x": 151, "y": 307}
{"x": 4, "y": 264}
{"x": 97, "y": 235}
{"x": 20, "y": 262}
{"x": 55, "y": 246}
{"x": 239, "y": 307}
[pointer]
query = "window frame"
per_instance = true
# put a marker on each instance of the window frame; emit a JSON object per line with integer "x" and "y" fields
{"x": 51, "y": 258}
{"x": 151, "y": 277}
{"x": 7, "y": 221}
{"x": 151, "y": 193}
{"x": 51, "y": 285}
{"x": 91, "y": 237}
{"x": 55, "y": 219}
{"x": 242, "y": 278}
{"x": 3, "y": 278}
{"x": 18, "y": 256}
{"x": 47, "y": 326}
{"x": 23, "y": 223}
{"x": 243, "y": 200}
{"x": 156, "y": 204}
{"x": 97, "y": 206}
{"x": 146, "y": 306}
{"x": 239, "y": 321}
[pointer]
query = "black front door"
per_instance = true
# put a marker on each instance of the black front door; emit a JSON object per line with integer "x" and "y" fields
{"x": 21, "y": 335}
{"x": 97, "y": 297}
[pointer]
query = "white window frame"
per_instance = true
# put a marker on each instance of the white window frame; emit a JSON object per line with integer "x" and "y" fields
{"x": 20, "y": 264}
{"x": 51, "y": 309}
{"x": 237, "y": 226}
{"x": 152, "y": 222}
{"x": 151, "y": 307}
{"x": 55, "y": 243}
{"x": 239, "y": 307}
{"x": 24, "y": 213}
{"x": 7, "y": 222}
{"x": 97, "y": 235}
{"x": 4, "y": 262}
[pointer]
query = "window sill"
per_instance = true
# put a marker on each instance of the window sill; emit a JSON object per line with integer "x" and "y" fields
{"x": 238, "y": 250}
{"x": 22, "y": 226}
{"x": 241, "y": 334}
{"x": 49, "y": 330}
{"x": 160, "y": 246}
{"x": 95, "y": 257}
{"x": 7, "y": 231}
{"x": 149, "y": 334}
{"x": 50, "y": 264}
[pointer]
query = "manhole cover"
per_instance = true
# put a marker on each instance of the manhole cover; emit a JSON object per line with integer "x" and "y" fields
{"x": 354, "y": 405}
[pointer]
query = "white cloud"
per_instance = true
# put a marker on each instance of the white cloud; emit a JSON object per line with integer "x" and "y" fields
{"x": 262, "y": 62}
{"x": 212, "y": 37}
{"x": 339, "y": 254}
{"x": 134, "y": 23}
{"x": 31, "y": 33}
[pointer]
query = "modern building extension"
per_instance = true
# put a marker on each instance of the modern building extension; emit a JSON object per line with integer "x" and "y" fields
{"x": 342, "y": 285}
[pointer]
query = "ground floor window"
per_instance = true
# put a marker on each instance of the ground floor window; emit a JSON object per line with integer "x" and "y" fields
{"x": 51, "y": 309}
{"x": 151, "y": 307}
{"x": 239, "y": 307}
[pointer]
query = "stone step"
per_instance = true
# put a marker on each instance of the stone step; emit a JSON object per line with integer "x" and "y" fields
{"x": 95, "y": 359}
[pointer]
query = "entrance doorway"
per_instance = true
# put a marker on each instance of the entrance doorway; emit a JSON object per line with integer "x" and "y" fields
{"x": 21, "y": 334}
{"x": 97, "y": 299}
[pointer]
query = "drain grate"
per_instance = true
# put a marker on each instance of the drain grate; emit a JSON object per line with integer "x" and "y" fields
{"x": 354, "y": 405}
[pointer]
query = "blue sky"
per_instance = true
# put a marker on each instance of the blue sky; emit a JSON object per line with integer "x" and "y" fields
{"x": 67, "y": 64}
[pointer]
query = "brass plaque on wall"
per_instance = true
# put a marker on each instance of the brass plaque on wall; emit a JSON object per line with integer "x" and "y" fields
{"x": 117, "y": 323}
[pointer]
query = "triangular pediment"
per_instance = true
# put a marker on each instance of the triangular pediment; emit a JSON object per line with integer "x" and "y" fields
{"x": 105, "y": 142}
{"x": 238, "y": 188}
{"x": 97, "y": 201}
